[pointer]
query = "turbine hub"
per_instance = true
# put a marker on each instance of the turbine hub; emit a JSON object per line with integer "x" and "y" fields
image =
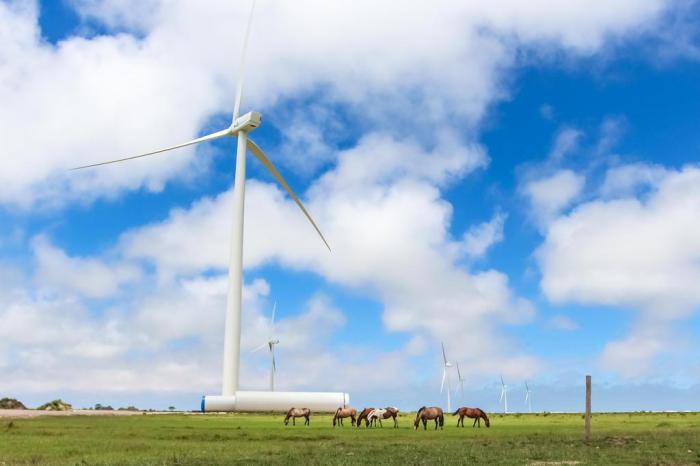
{"x": 247, "y": 122}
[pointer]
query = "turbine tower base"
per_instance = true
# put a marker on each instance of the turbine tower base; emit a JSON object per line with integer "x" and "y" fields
{"x": 275, "y": 401}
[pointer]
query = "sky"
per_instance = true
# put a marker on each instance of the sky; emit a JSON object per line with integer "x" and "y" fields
{"x": 518, "y": 180}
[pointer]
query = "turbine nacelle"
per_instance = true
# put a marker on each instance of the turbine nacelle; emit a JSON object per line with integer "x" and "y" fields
{"x": 247, "y": 123}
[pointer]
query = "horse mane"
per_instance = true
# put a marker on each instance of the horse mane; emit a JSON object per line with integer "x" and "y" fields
{"x": 481, "y": 411}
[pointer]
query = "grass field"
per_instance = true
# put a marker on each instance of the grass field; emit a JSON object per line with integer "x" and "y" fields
{"x": 639, "y": 438}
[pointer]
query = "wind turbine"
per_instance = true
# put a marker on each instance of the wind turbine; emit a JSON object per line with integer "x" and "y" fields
{"x": 272, "y": 341}
{"x": 240, "y": 127}
{"x": 461, "y": 380}
{"x": 504, "y": 396}
{"x": 445, "y": 376}
{"x": 528, "y": 398}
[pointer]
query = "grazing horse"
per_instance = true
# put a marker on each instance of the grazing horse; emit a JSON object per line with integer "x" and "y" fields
{"x": 294, "y": 413}
{"x": 472, "y": 413}
{"x": 424, "y": 414}
{"x": 363, "y": 415}
{"x": 391, "y": 412}
{"x": 341, "y": 413}
{"x": 376, "y": 415}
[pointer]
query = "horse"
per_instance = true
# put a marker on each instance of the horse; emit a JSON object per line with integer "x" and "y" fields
{"x": 376, "y": 415}
{"x": 341, "y": 413}
{"x": 298, "y": 412}
{"x": 392, "y": 412}
{"x": 363, "y": 415}
{"x": 424, "y": 414}
{"x": 472, "y": 413}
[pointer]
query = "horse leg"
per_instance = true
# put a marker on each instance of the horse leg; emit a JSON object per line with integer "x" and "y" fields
{"x": 396, "y": 423}
{"x": 425, "y": 424}
{"x": 352, "y": 420}
{"x": 380, "y": 422}
{"x": 308, "y": 421}
{"x": 475, "y": 421}
{"x": 294, "y": 421}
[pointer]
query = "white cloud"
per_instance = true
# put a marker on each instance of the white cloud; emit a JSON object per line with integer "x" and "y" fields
{"x": 90, "y": 99}
{"x": 479, "y": 238}
{"x": 550, "y": 195}
{"x": 565, "y": 142}
{"x": 562, "y": 322}
{"x": 86, "y": 276}
{"x": 639, "y": 253}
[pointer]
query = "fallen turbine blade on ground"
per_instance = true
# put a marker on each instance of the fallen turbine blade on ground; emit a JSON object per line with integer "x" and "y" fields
{"x": 208, "y": 137}
{"x": 260, "y": 155}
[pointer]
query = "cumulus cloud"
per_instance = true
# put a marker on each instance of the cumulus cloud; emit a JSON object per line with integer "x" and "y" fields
{"x": 550, "y": 195}
{"x": 479, "y": 238}
{"x": 88, "y": 277}
{"x": 632, "y": 251}
{"x": 97, "y": 98}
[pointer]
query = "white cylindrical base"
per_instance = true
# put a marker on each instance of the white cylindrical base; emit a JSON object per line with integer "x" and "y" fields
{"x": 276, "y": 401}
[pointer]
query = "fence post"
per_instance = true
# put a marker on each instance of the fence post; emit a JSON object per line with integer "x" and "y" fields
{"x": 588, "y": 408}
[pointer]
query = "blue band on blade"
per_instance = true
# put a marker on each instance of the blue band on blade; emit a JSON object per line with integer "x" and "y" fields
{"x": 202, "y": 405}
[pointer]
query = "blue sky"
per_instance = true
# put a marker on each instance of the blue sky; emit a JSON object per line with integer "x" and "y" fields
{"x": 526, "y": 192}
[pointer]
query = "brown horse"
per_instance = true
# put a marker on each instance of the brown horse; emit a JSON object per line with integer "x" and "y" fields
{"x": 472, "y": 413}
{"x": 391, "y": 412}
{"x": 424, "y": 414}
{"x": 363, "y": 415}
{"x": 294, "y": 413}
{"x": 341, "y": 413}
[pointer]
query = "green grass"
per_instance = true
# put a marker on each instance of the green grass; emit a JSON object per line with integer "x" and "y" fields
{"x": 639, "y": 438}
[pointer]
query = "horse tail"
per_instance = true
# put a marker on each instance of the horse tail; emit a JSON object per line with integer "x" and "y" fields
{"x": 456, "y": 412}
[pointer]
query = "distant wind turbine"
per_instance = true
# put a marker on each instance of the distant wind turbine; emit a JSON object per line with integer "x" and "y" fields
{"x": 528, "y": 398}
{"x": 446, "y": 376}
{"x": 504, "y": 396}
{"x": 461, "y": 380}
{"x": 271, "y": 342}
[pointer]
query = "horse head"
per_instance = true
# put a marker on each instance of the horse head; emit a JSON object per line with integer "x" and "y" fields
{"x": 415, "y": 424}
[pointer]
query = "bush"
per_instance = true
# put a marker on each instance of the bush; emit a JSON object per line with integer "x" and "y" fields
{"x": 56, "y": 405}
{"x": 101, "y": 407}
{"x": 11, "y": 403}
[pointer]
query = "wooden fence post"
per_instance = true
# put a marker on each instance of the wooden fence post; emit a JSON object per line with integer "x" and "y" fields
{"x": 588, "y": 408}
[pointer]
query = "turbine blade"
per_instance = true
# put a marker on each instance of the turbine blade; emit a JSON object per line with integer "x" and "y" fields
{"x": 444, "y": 357}
{"x": 260, "y": 155}
{"x": 241, "y": 72}
{"x": 274, "y": 366}
{"x": 272, "y": 319}
{"x": 459, "y": 374}
{"x": 442, "y": 384}
{"x": 258, "y": 348}
{"x": 502, "y": 384}
{"x": 502, "y": 393}
{"x": 208, "y": 137}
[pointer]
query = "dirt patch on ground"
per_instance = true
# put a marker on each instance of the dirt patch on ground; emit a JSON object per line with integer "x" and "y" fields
{"x": 27, "y": 413}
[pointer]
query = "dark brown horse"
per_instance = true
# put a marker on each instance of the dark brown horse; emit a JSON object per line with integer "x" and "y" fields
{"x": 294, "y": 413}
{"x": 424, "y": 414}
{"x": 472, "y": 413}
{"x": 363, "y": 415}
{"x": 342, "y": 413}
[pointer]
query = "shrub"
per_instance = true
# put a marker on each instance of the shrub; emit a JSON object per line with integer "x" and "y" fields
{"x": 56, "y": 405}
{"x": 11, "y": 403}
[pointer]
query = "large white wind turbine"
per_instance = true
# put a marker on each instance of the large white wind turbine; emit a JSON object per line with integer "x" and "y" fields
{"x": 528, "y": 398}
{"x": 271, "y": 342}
{"x": 504, "y": 396}
{"x": 461, "y": 380}
{"x": 446, "y": 376}
{"x": 232, "y": 398}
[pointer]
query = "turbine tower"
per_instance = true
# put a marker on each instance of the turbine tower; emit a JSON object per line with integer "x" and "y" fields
{"x": 445, "y": 376}
{"x": 231, "y": 399}
{"x": 504, "y": 396}
{"x": 461, "y": 380}
{"x": 528, "y": 398}
{"x": 271, "y": 342}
